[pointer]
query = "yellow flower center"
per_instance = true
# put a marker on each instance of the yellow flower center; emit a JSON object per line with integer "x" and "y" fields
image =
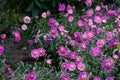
{"x": 108, "y": 64}
{"x": 84, "y": 77}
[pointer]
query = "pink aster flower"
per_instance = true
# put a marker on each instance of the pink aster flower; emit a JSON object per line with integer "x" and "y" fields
{"x": 3, "y": 36}
{"x": 65, "y": 77}
{"x": 52, "y": 22}
{"x": 90, "y": 22}
{"x": 101, "y": 42}
{"x": 115, "y": 56}
{"x": 97, "y": 19}
{"x": 95, "y": 51}
{"x": 61, "y": 7}
{"x": 90, "y": 12}
{"x": 48, "y": 13}
{"x": 80, "y": 23}
{"x": 49, "y": 61}
{"x": 73, "y": 55}
{"x": 111, "y": 13}
{"x": 64, "y": 66}
{"x": 26, "y": 19}
{"x": 16, "y": 33}
{"x": 35, "y": 53}
{"x": 81, "y": 66}
{"x": 69, "y": 9}
{"x": 61, "y": 28}
{"x": 99, "y": 31}
{"x": 30, "y": 42}
{"x": 44, "y": 15}
{"x": 1, "y": 50}
{"x": 109, "y": 78}
{"x": 62, "y": 51}
{"x": 53, "y": 32}
{"x": 90, "y": 34}
{"x": 71, "y": 66}
{"x": 41, "y": 51}
{"x": 83, "y": 76}
{"x": 18, "y": 39}
{"x": 108, "y": 64}
{"x": 82, "y": 46}
{"x": 96, "y": 78}
{"x": 78, "y": 59}
{"x": 24, "y": 27}
{"x": 109, "y": 36}
{"x": 97, "y": 8}
{"x": 77, "y": 36}
{"x": 88, "y": 2}
{"x": 31, "y": 76}
{"x": 70, "y": 19}
{"x": 113, "y": 43}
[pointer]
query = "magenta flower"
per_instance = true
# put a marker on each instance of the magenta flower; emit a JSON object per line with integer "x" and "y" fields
{"x": 96, "y": 78}
{"x": 78, "y": 59}
{"x": 30, "y": 42}
{"x": 111, "y": 13}
{"x": 69, "y": 9}
{"x": 53, "y": 32}
{"x": 90, "y": 12}
{"x": 88, "y": 2}
{"x": 18, "y": 39}
{"x": 96, "y": 51}
{"x": 109, "y": 78}
{"x": 48, "y": 40}
{"x": 99, "y": 31}
{"x": 77, "y": 36}
{"x": 35, "y": 53}
{"x": 82, "y": 46}
{"x": 16, "y": 34}
{"x": 61, "y": 7}
{"x": 65, "y": 77}
{"x": 41, "y": 51}
{"x": 90, "y": 34}
{"x": 62, "y": 51}
{"x": 73, "y": 55}
{"x": 48, "y": 13}
{"x": 52, "y": 22}
{"x": 70, "y": 19}
{"x": 64, "y": 66}
{"x": 108, "y": 64}
{"x": 97, "y": 19}
{"x": 81, "y": 66}
{"x": 31, "y": 76}
{"x": 80, "y": 23}
{"x": 118, "y": 23}
{"x": 83, "y": 76}
{"x": 113, "y": 43}
{"x": 101, "y": 42}
{"x": 109, "y": 36}
{"x": 71, "y": 66}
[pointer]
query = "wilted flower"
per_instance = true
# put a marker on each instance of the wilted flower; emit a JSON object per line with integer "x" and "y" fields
{"x": 52, "y": 22}
{"x": 109, "y": 78}
{"x": 65, "y": 77}
{"x": 27, "y": 19}
{"x": 81, "y": 66}
{"x": 41, "y": 51}
{"x": 78, "y": 59}
{"x": 61, "y": 7}
{"x": 62, "y": 51}
{"x": 83, "y": 76}
{"x": 111, "y": 13}
{"x": 35, "y": 53}
{"x": 108, "y": 64}
{"x": 82, "y": 46}
{"x": 71, "y": 66}
{"x": 48, "y": 40}
{"x": 1, "y": 50}
{"x": 95, "y": 51}
{"x": 24, "y": 27}
{"x": 70, "y": 19}
{"x": 30, "y": 42}
{"x": 53, "y": 32}
{"x": 99, "y": 31}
